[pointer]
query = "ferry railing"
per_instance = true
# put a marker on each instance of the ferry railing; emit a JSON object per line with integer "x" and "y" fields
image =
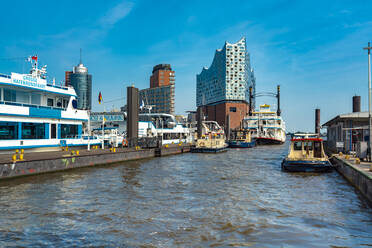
{"x": 5, "y": 76}
{"x": 30, "y": 105}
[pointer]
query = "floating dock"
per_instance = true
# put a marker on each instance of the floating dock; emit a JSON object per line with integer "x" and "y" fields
{"x": 359, "y": 175}
{"x": 45, "y": 162}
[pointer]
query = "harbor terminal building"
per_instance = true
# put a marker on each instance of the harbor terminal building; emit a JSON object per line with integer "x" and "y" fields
{"x": 223, "y": 88}
{"x": 160, "y": 95}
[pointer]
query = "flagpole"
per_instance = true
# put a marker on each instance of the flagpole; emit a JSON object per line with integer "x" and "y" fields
{"x": 103, "y": 129}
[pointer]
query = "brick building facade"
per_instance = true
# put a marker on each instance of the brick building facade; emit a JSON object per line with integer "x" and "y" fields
{"x": 219, "y": 112}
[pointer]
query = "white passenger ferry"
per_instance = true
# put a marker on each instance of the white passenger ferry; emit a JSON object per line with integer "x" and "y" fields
{"x": 163, "y": 126}
{"x": 266, "y": 127}
{"x": 35, "y": 113}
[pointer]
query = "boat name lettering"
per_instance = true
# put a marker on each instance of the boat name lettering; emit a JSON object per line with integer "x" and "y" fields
{"x": 27, "y": 81}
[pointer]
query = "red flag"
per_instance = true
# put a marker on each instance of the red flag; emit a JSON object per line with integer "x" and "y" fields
{"x": 34, "y": 57}
{"x": 99, "y": 97}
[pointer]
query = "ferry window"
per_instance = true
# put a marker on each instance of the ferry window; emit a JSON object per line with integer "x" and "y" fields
{"x": 33, "y": 131}
{"x": 69, "y": 131}
{"x": 8, "y": 130}
{"x": 59, "y": 103}
{"x": 232, "y": 109}
{"x": 9, "y": 95}
{"x": 65, "y": 103}
{"x": 22, "y": 97}
{"x": 35, "y": 99}
{"x": 297, "y": 146}
{"x": 50, "y": 102}
{"x": 309, "y": 145}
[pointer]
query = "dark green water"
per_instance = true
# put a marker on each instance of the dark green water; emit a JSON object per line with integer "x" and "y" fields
{"x": 240, "y": 198}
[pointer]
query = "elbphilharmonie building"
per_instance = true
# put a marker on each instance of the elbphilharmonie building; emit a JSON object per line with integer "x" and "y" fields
{"x": 223, "y": 88}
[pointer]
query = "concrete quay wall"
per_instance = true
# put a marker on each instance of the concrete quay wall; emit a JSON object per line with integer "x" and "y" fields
{"x": 65, "y": 162}
{"x": 357, "y": 177}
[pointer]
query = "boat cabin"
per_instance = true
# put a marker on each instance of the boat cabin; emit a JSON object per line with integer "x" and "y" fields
{"x": 306, "y": 149}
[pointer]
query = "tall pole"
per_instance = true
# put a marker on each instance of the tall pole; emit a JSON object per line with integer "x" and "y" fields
{"x": 369, "y": 99}
{"x": 88, "y": 130}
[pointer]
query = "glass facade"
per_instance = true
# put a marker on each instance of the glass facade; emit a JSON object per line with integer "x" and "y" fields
{"x": 82, "y": 83}
{"x": 228, "y": 78}
{"x": 160, "y": 98}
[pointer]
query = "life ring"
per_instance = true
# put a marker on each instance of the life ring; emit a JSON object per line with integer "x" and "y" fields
{"x": 125, "y": 143}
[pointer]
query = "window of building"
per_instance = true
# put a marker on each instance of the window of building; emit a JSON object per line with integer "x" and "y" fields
{"x": 232, "y": 109}
{"x": 50, "y": 102}
{"x": 8, "y": 130}
{"x": 33, "y": 130}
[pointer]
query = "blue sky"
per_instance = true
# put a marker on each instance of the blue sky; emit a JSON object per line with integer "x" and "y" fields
{"x": 313, "y": 49}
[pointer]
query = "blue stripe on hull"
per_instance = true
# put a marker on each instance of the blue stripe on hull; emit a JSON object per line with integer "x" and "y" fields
{"x": 238, "y": 144}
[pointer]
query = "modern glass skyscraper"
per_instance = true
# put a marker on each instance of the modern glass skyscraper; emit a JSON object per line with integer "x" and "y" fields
{"x": 228, "y": 78}
{"x": 223, "y": 89}
{"x": 82, "y": 83}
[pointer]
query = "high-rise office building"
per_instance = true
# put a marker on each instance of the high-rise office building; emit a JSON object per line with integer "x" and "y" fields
{"x": 82, "y": 83}
{"x": 162, "y": 75}
{"x": 160, "y": 95}
{"x": 223, "y": 89}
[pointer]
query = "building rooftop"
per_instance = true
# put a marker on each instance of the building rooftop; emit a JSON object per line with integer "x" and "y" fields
{"x": 349, "y": 116}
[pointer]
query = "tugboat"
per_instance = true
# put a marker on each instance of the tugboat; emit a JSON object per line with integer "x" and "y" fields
{"x": 241, "y": 139}
{"x": 306, "y": 154}
{"x": 212, "y": 139}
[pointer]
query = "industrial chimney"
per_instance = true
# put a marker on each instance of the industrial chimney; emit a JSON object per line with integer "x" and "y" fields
{"x": 356, "y": 104}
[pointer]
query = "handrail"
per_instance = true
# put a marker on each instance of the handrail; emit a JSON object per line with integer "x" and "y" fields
{"x": 30, "y": 105}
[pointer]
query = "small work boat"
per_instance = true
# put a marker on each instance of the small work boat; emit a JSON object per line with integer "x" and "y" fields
{"x": 306, "y": 154}
{"x": 212, "y": 139}
{"x": 241, "y": 139}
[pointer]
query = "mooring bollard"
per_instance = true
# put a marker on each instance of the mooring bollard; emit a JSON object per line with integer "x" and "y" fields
{"x": 21, "y": 156}
{"x": 114, "y": 149}
{"x": 14, "y": 157}
{"x": 78, "y": 152}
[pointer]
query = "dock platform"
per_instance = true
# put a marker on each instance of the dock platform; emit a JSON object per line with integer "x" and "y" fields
{"x": 44, "y": 162}
{"x": 359, "y": 175}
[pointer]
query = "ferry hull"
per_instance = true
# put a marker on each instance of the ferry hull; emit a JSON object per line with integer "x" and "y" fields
{"x": 268, "y": 141}
{"x": 207, "y": 150}
{"x": 306, "y": 166}
{"x": 240, "y": 144}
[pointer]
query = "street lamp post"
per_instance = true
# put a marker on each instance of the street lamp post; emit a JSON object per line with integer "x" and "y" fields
{"x": 369, "y": 100}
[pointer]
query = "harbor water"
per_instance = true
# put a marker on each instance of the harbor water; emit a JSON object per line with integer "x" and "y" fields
{"x": 240, "y": 198}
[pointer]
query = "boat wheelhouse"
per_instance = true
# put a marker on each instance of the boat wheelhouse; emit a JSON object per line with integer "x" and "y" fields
{"x": 241, "y": 139}
{"x": 212, "y": 140}
{"x": 35, "y": 113}
{"x": 163, "y": 126}
{"x": 306, "y": 154}
{"x": 266, "y": 127}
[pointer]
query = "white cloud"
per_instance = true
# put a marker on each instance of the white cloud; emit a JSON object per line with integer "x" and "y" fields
{"x": 117, "y": 13}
